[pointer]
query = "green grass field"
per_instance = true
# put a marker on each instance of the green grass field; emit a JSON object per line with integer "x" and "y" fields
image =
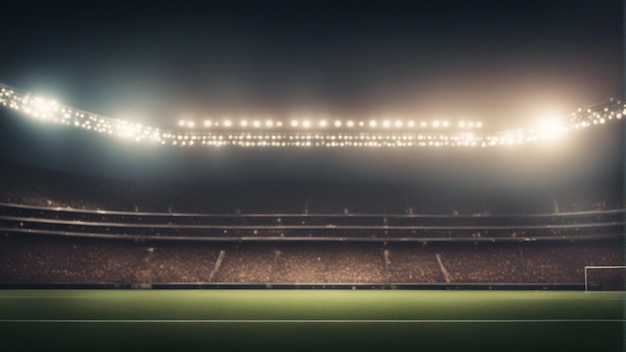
{"x": 310, "y": 320}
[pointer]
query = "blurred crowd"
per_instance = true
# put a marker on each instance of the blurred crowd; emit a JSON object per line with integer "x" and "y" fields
{"x": 27, "y": 257}
{"x": 57, "y": 259}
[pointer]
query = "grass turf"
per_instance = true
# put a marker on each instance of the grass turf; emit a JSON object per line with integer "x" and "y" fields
{"x": 238, "y": 320}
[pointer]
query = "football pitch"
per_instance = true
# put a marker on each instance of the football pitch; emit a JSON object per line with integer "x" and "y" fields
{"x": 310, "y": 320}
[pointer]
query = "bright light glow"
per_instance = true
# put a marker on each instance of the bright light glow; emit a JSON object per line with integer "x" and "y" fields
{"x": 550, "y": 129}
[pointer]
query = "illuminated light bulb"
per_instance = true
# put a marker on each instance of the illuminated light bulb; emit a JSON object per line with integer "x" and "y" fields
{"x": 306, "y": 123}
{"x": 373, "y": 123}
{"x": 244, "y": 123}
{"x": 207, "y": 123}
{"x": 323, "y": 123}
{"x": 256, "y": 124}
{"x": 350, "y": 123}
{"x": 279, "y": 124}
{"x": 386, "y": 123}
{"x": 294, "y": 123}
{"x": 411, "y": 123}
{"x": 423, "y": 124}
{"x": 269, "y": 123}
{"x": 361, "y": 123}
{"x": 398, "y": 124}
{"x": 228, "y": 123}
{"x": 181, "y": 123}
{"x": 191, "y": 124}
{"x": 436, "y": 123}
{"x": 479, "y": 124}
{"x": 337, "y": 123}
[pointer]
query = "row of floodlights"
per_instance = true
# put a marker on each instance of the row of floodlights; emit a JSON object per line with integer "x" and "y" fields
{"x": 305, "y": 123}
{"x": 50, "y": 109}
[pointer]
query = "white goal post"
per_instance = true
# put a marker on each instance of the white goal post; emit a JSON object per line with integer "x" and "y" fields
{"x": 590, "y": 268}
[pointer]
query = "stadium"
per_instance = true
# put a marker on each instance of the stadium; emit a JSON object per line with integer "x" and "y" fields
{"x": 71, "y": 230}
{"x": 349, "y": 177}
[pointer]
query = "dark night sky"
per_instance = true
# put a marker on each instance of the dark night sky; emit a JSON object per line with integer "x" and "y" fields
{"x": 503, "y": 62}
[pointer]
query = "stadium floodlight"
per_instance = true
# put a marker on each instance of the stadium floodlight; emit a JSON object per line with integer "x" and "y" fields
{"x": 43, "y": 105}
{"x": 551, "y": 129}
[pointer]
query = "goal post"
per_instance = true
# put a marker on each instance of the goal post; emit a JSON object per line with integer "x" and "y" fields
{"x": 605, "y": 278}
